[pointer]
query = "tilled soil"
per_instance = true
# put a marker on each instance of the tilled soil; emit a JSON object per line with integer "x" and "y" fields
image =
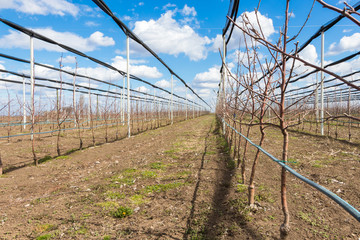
{"x": 175, "y": 182}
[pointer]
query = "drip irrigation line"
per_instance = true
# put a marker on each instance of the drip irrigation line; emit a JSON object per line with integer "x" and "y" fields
{"x": 46, "y": 39}
{"x": 101, "y": 4}
{"x": 345, "y": 205}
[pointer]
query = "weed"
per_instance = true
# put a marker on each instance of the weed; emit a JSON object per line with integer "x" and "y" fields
{"x": 44, "y": 228}
{"x": 114, "y": 195}
{"x": 157, "y": 165}
{"x": 210, "y": 153}
{"x": 63, "y": 157}
{"x": 240, "y": 188}
{"x": 44, "y": 237}
{"x": 307, "y": 218}
{"x": 148, "y": 174}
{"x": 106, "y": 237}
{"x": 108, "y": 205}
{"x": 162, "y": 187}
{"x": 137, "y": 199}
{"x": 122, "y": 212}
{"x": 82, "y": 230}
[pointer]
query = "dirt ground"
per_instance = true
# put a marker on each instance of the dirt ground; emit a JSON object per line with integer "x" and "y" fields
{"x": 178, "y": 182}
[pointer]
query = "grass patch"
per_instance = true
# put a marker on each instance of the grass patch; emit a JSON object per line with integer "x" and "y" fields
{"x": 44, "y": 237}
{"x": 137, "y": 199}
{"x": 241, "y": 188}
{"x": 62, "y": 157}
{"x": 122, "y": 212}
{"x": 108, "y": 205}
{"x": 148, "y": 174}
{"x": 44, "y": 228}
{"x": 161, "y": 187}
{"x": 157, "y": 165}
{"x": 114, "y": 195}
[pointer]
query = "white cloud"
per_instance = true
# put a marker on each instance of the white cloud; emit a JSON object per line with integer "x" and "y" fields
{"x": 142, "y": 89}
{"x": 163, "y": 83}
{"x": 188, "y": 11}
{"x": 19, "y": 40}
{"x": 169, "y": 5}
{"x": 67, "y": 59}
{"x": 138, "y": 70}
{"x": 347, "y": 43}
{"x": 141, "y": 3}
{"x": 346, "y": 67}
{"x": 237, "y": 38}
{"x": 41, "y": 7}
{"x": 208, "y": 79}
{"x": 347, "y": 30}
{"x": 91, "y": 24}
{"x": 166, "y": 35}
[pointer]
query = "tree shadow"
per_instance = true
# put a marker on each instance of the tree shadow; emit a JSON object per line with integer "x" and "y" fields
{"x": 222, "y": 212}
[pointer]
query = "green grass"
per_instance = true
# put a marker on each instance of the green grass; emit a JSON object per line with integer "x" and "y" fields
{"x": 44, "y": 237}
{"x": 162, "y": 187}
{"x": 122, "y": 212}
{"x": 108, "y": 205}
{"x": 148, "y": 174}
{"x": 114, "y": 195}
{"x": 157, "y": 165}
{"x": 63, "y": 157}
{"x": 138, "y": 199}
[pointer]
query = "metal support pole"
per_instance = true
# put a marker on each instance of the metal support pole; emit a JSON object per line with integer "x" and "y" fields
{"x": 322, "y": 84}
{"x": 128, "y": 81}
{"x": 89, "y": 105}
{"x": 316, "y": 99}
{"x": 349, "y": 100}
{"x": 172, "y": 103}
{"x": 32, "y": 79}
{"x": 24, "y": 106}
{"x": 154, "y": 106}
{"x": 74, "y": 97}
{"x": 97, "y": 107}
{"x": 186, "y": 104}
{"x": 223, "y": 82}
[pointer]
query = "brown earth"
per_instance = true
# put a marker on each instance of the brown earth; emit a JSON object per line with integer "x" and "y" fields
{"x": 178, "y": 182}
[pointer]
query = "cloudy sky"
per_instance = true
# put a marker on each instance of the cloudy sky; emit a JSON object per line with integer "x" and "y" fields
{"x": 185, "y": 34}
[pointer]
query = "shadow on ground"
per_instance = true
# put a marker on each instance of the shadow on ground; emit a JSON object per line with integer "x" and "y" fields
{"x": 223, "y": 216}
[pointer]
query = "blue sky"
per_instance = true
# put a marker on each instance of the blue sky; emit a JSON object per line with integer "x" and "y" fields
{"x": 185, "y": 34}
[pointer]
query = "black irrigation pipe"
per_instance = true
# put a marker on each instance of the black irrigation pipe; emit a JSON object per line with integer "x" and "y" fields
{"x": 326, "y": 66}
{"x": 326, "y": 81}
{"x": 341, "y": 202}
{"x": 233, "y": 11}
{"x": 326, "y": 87}
{"x": 48, "y": 40}
{"x": 101, "y": 4}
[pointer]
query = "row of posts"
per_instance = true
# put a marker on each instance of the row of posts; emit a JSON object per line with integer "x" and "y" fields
{"x": 32, "y": 80}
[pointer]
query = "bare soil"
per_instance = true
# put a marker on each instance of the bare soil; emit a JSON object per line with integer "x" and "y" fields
{"x": 179, "y": 182}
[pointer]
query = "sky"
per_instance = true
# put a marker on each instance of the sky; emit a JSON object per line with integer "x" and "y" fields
{"x": 185, "y": 34}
